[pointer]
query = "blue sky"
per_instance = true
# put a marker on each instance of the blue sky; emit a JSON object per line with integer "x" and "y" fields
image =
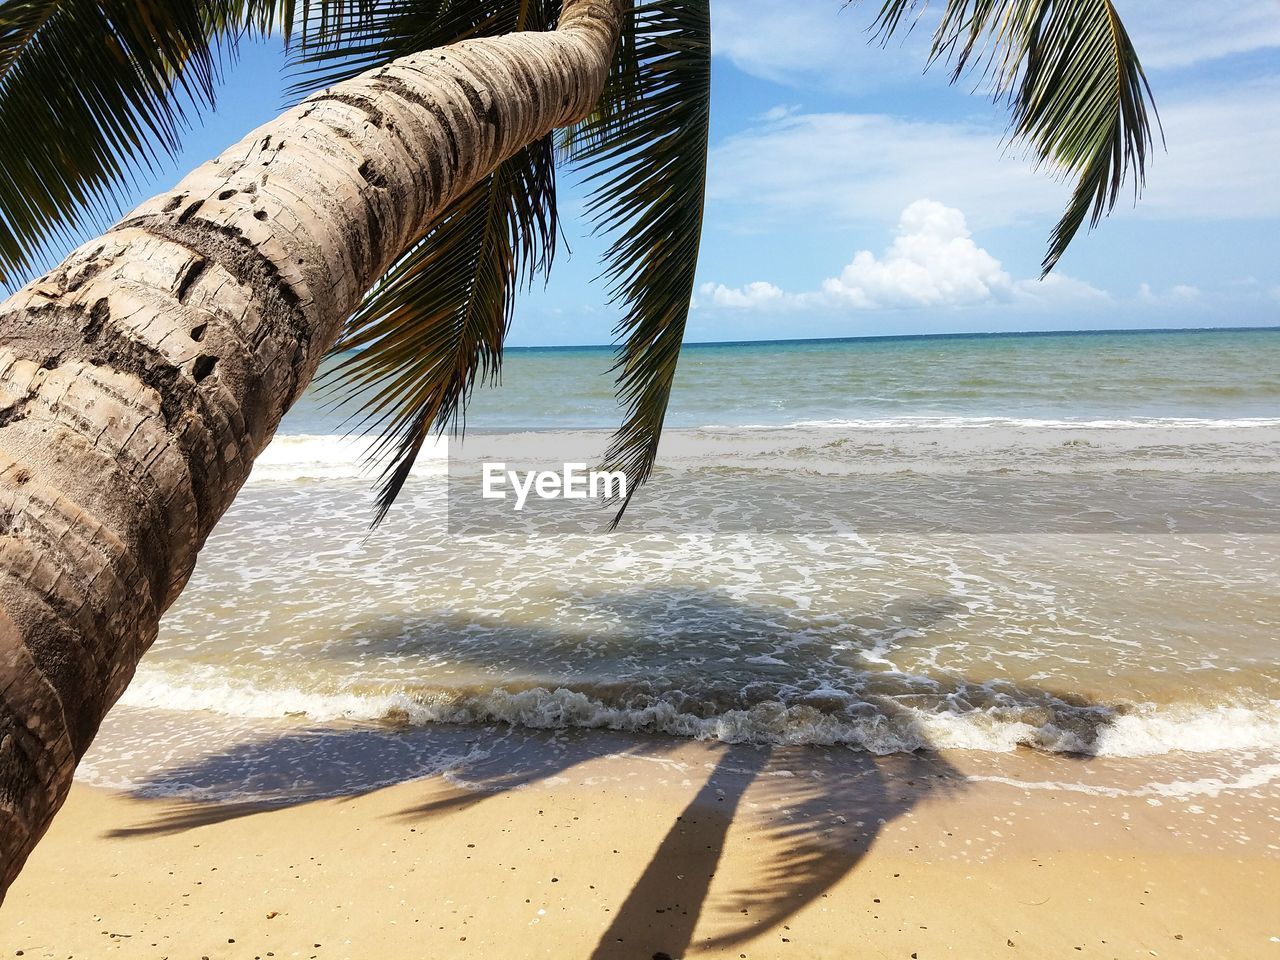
{"x": 852, "y": 194}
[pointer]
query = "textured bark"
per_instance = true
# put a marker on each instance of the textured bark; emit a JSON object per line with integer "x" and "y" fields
{"x": 140, "y": 379}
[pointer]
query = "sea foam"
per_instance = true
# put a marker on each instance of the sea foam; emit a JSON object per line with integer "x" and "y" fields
{"x": 1132, "y": 731}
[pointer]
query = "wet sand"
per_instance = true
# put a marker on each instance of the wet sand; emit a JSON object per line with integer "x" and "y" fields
{"x": 591, "y": 845}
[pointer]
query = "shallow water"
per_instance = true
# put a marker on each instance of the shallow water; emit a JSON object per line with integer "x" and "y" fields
{"x": 1076, "y": 554}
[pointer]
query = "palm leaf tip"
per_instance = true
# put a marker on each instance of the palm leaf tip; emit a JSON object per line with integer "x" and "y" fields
{"x": 435, "y": 326}
{"x": 1095, "y": 123}
{"x": 644, "y": 154}
{"x": 1076, "y": 90}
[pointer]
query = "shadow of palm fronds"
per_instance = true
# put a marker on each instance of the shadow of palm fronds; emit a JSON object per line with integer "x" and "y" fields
{"x": 706, "y": 656}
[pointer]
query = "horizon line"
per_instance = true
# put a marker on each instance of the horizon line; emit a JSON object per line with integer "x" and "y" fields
{"x": 959, "y": 335}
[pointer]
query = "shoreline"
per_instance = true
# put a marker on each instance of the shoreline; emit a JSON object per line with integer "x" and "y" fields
{"x": 593, "y": 844}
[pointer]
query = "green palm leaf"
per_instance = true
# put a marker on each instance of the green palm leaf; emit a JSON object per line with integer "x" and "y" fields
{"x": 1077, "y": 92}
{"x": 434, "y": 327}
{"x": 436, "y": 324}
{"x": 645, "y": 156}
{"x": 87, "y": 90}
{"x": 92, "y": 91}
{"x": 338, "y": 48}
{"x": 317, "y": 22}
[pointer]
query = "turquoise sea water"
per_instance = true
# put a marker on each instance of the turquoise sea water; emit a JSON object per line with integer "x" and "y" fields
{"x": 1211, "y": 374}
{"x": 1069, "y": 543}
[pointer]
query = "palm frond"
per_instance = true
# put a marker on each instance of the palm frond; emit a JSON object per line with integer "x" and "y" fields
{"x": 87, "y": 91}
{"x": 314, "y": 21}
{"x": 333, "y": 50}
{"x": 622, "y": 91}
{"x": 94, "y": 91}
{"x": 19, "y": 24}
{"x": 644, "y": 154}
{"x": 1076, "y": 89}
{"x": 435, "y": 325}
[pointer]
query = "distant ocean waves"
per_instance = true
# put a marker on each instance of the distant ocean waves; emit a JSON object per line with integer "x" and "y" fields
{"x": 865, "y": 445}
{"x": 298, "y": 458}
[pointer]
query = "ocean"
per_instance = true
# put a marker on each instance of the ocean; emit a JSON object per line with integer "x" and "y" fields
{"x": 1064, "y": 543}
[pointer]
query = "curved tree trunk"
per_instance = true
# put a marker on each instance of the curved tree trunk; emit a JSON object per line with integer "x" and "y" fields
{"x": 140, "y": 379}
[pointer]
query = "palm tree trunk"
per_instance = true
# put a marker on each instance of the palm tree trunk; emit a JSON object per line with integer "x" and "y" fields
{"x": 140, "y": 379}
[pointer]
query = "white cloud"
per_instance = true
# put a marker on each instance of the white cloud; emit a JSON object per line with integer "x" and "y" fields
{"x": 1058, "y": 288}
{"x": 757, "y": 294}
{"x": 932, "y": 261}
{"x": 842, "y": 168}
{"x": 823, "y": 44}
{"x": 1178, "y": 293}
{"x": 826, "y": 44}
{"x": 780, "y": 112}
{"x": 1221, "y": 157}
{"x": 1172, "y": 35}
{"x": 848, "y": 168}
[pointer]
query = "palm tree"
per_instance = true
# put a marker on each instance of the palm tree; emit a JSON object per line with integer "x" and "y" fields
{"x": 398, "y": 208}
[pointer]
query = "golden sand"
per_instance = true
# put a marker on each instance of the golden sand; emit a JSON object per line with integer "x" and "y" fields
{"x": 687, "y": 849}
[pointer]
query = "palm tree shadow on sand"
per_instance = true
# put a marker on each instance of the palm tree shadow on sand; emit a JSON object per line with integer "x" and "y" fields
{"x": 825, "y": 820}
{"x": 816, "y": 810}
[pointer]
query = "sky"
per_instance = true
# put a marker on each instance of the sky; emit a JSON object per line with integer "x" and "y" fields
{"x": 853, "y": 193}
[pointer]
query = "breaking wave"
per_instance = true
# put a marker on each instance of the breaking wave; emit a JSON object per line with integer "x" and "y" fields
{"x": 884, "y": 727}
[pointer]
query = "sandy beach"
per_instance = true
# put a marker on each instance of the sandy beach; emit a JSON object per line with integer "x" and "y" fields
{"x": 590, "y": 844}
